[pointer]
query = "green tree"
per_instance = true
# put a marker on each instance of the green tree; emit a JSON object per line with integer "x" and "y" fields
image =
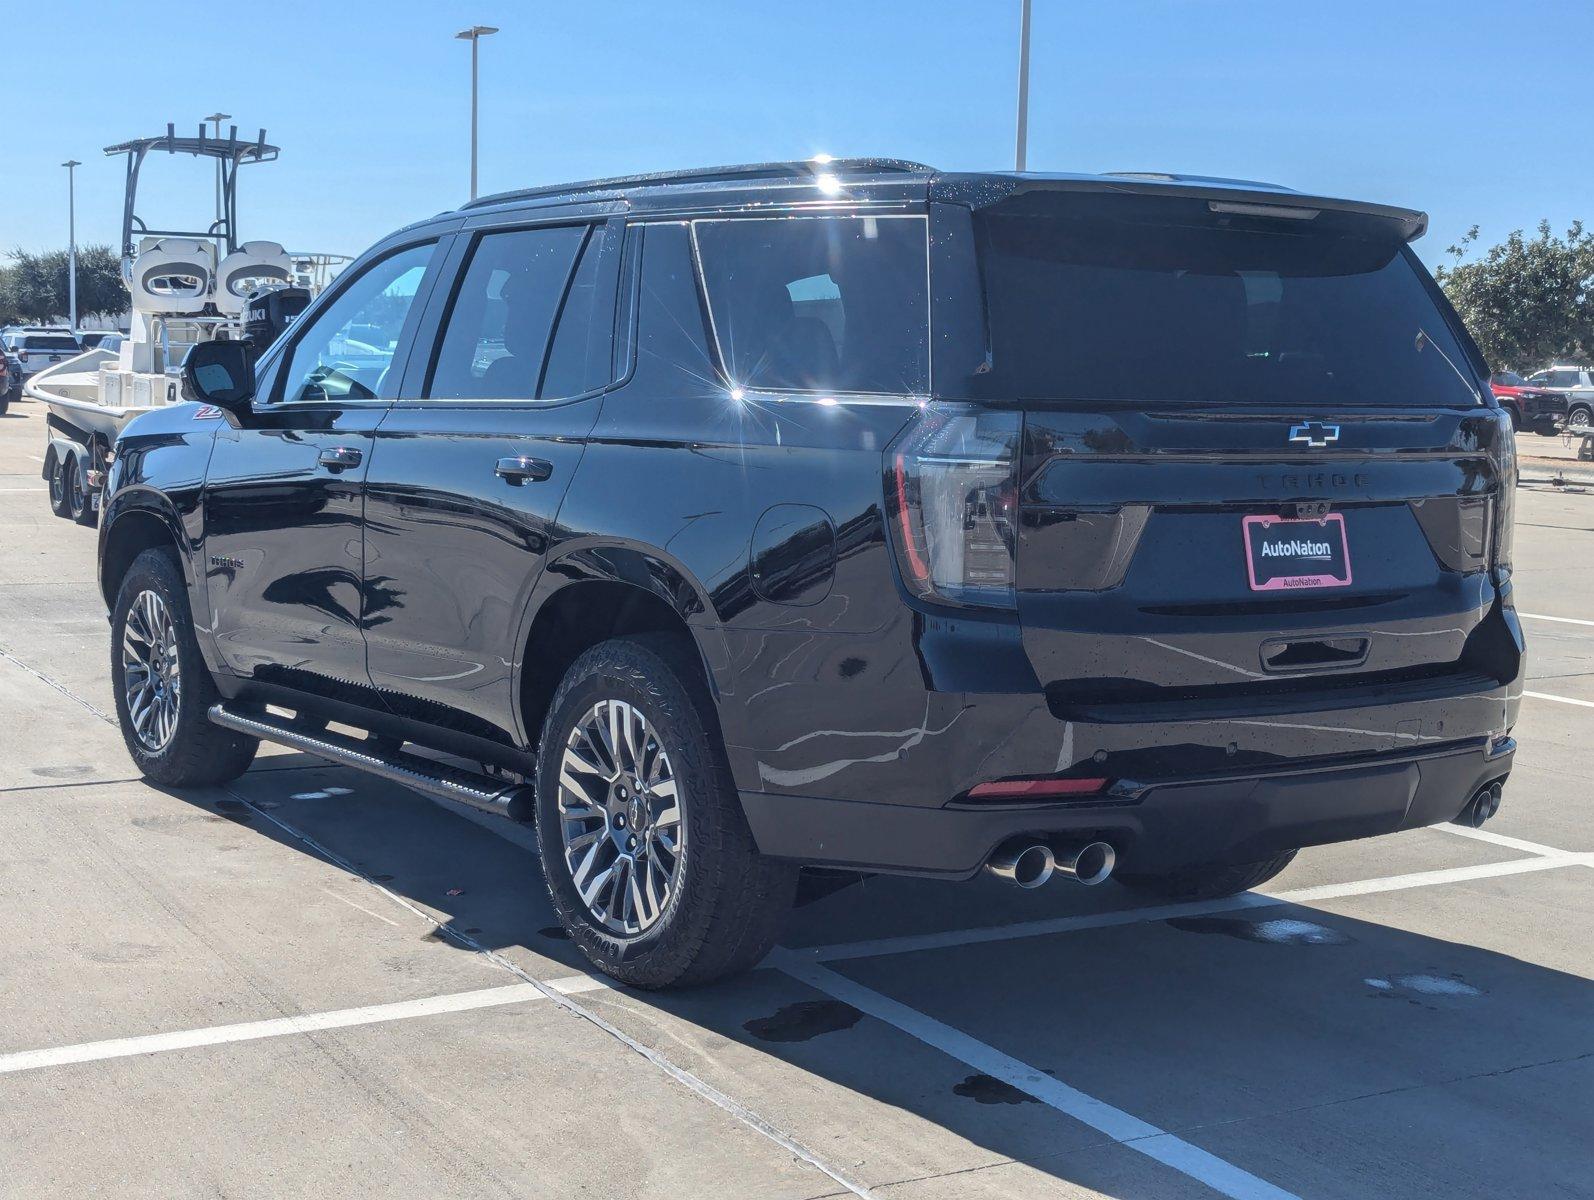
{"x": 1526, "y": 301}
{"x": 34, "y": 286}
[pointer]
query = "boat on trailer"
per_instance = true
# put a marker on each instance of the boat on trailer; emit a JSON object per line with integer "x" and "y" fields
{"x": 186, "y": 286}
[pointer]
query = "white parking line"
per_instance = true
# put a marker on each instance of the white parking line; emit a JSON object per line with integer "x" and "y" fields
{"x": 910, "y": 943}
{"x": 1562, "y": 620}
{"x": 249, "y": 1031}
{"x": 1560, "y": 699}
{"x": 1500, "y": 839}
{"x": 1124, "y": 1128}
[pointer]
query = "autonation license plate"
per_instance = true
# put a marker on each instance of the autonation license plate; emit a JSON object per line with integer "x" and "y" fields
{"x": 1290, "y": 552}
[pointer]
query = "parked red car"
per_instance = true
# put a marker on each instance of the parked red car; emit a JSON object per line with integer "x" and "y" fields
{"x": 1539, "y": 409}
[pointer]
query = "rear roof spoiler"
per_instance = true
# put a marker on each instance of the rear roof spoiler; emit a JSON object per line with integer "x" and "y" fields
{"x": 980, "y": 190}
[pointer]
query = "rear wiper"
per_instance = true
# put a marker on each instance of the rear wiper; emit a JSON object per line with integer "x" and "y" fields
{"x": 1424, "y": 340}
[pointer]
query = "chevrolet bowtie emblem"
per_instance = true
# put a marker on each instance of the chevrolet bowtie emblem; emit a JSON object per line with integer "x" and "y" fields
{"x": 1314, "y": 434}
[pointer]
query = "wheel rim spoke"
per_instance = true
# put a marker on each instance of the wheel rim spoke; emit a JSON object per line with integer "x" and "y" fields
{"x": 151, "y": 671}
{"x": 620, "y": 816}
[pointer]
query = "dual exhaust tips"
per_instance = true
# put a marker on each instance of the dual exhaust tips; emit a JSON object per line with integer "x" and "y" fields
{"x": 1031, "y": 864}
{"x": 1480, "y": 808}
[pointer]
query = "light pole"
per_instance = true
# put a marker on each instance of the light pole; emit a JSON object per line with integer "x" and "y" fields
{"x": 474, "y": 35}
{"x": 1021, "y": 146}
{"x": 71, "y": 166}
{"x": 217, "y": 118}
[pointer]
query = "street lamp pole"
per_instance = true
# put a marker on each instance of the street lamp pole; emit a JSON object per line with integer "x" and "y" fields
{"x": 474, "y": 35}
{"x": 217, "y": 118}
{"x": 71, "y": 166}
{"x": 1021, "y": 146}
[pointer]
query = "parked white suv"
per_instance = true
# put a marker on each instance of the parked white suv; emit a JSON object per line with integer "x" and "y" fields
{"x": 1578, "y": 384}
{"x": 39, "y": 346}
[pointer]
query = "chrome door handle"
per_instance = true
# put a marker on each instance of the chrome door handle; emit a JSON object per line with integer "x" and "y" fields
{"x": 338, "y": 458}
{"x": 521, "y": 470}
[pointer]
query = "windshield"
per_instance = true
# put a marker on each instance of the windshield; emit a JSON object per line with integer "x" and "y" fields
{"x": 1103, "y": 300}
{"x": 49, "y": 342}
{"x": 1508, "y": 379}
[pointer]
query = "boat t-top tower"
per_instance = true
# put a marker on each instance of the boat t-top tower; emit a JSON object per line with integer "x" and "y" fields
{"x": 190, "y": 285}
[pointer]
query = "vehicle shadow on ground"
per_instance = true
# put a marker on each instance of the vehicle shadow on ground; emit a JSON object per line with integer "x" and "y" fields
{"x": 1318, "y": 1051}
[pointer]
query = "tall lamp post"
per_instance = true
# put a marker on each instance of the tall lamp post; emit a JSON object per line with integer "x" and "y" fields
{"x": 71, "y": 166}
{"x": 474, "y": 35}
{"x": 1021, "y": 143}
{"x": 216, "y": 118}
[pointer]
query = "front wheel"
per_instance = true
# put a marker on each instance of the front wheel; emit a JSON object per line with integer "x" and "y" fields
{"x": 1580, "y": 414}
{"x": 163, "y": 688}
{"x": 647, "y": 855}
{"x": 1211, "y": 882}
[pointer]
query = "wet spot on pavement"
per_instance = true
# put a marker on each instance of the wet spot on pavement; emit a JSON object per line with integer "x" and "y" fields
{"x": 1280, "y": 931}
{"x": 988, "y": 1089}
{"x": 804, "y": 1020}
{"x": 64, "y": 771}
{"x": 235, "y": 810}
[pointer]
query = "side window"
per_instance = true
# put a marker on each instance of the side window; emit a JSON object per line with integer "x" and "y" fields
{"x": 1563, "y": 379}
{"x": 497, "y": 331}
{"x": 346, "y": 350}
{"x": 580, "y": 358}
{"x": 820, "y": 303}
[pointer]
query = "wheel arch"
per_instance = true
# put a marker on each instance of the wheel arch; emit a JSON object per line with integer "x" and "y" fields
{"x": 137, "y": 520}
{"x": 595, "y": 592}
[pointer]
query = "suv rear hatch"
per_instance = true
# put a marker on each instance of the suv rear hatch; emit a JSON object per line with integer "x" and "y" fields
{"x": 1250, "y": 463}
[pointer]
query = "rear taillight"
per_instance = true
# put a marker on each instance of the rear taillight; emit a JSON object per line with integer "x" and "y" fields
{"x": 1505, "y": 505}
{"x": 952, "y": 492}
{"x": 22, "y": 356}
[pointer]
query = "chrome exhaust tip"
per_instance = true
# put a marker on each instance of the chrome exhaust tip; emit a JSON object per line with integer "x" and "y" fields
{"x": 1027, "y": 864}
{"x": 1480, "y": 808}
{"x": 1088, "y": 862}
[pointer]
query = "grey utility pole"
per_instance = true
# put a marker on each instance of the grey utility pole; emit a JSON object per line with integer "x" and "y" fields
{"x": 1021, "y": 146}
{"x": 474, "y": 35}
{"x": 71, "y": 166}
{"x": 217, "y": 118}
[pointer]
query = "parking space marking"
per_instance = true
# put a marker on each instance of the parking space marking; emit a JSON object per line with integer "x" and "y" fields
{"x": 910, "y": 943}
{"x": 1560, "y": 699}
{"x": 707, "y": 1091}
{"x": 249, "y": 1031}
{"x": 1562, "y": 620}
{"x": 1124, "y": 1128}
{"x": 1500, "y": 839}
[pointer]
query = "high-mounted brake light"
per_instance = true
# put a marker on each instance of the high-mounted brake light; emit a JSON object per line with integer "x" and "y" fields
{"x": 952, "y": 491}
{"x": 1032, "y": 789}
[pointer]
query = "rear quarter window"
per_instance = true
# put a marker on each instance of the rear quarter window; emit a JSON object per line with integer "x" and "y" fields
{"x": 819, "y": 304}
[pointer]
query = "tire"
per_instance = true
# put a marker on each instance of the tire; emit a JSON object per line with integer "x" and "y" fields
{"x": 719, "y": 909}
{"x": 1210, "y": 882}
{"x": 171, "y": 739}
{"x": 58, "y": 487}
{"x": 1580, "y": 414}
{"x": 1516, "y": 418}
{"x": 76, "y": 499}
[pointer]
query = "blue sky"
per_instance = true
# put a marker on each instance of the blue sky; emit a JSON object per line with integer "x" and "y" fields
{"x": 1475, "y": 111}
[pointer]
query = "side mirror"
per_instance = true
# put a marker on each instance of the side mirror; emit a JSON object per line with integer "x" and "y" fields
{"x": 223, "y": 374}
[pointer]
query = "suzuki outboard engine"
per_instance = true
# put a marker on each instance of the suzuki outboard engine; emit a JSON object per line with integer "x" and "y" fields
{"x": 270, "y": 311}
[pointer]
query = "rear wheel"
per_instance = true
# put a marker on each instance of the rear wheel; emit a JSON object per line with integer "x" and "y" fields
{"x": 1580, "y": 414}
{"x": 1516, "y": 417}
{"x": 647, "y": 856}
{"x": 163, "y": 688}
{"x": 1209, "y": 882}
{"x": 77, "y": 499}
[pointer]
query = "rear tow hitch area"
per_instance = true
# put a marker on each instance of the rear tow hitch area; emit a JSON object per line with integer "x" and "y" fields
{"x": 1030, "y": 864}
{"x": 1481, "y": 807}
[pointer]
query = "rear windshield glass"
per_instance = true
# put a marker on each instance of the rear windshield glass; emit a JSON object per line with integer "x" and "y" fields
{"x": 49, "y": 342}
{"x": 1192, "y": 308}
{"x": 826, "y": 304}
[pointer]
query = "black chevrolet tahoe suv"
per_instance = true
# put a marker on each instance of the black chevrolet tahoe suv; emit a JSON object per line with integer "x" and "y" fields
{"x": 775, "y": 525}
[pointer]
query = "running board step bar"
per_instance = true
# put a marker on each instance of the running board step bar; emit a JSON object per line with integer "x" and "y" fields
{"x": 512, "y": 800}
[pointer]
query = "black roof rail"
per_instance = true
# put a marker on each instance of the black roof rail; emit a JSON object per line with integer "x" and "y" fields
{"x": 732, "y": 174}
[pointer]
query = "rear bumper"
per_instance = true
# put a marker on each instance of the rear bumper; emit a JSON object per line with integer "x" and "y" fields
{"x": 1156, "y": 827}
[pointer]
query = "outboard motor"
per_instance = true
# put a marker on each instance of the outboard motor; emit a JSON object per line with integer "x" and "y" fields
{"x": 270, "y": 311}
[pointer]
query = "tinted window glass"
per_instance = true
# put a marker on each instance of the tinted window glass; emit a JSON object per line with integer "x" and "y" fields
{"x": 1166, "y": 302}
{"x": 345, "y": 352}
{"x": 1508, "y": 379}
{"x": 820, "y": 303}
{"x": 498, "y": 325}
{"x": 50, "y": 343}
{"x": 578, "y": 360}
{"x": 1563, "y": 379}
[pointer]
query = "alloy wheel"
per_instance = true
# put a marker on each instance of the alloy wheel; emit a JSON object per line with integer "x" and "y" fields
{"x": 152, "y": 683}
{"x": 620, "y": 818}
